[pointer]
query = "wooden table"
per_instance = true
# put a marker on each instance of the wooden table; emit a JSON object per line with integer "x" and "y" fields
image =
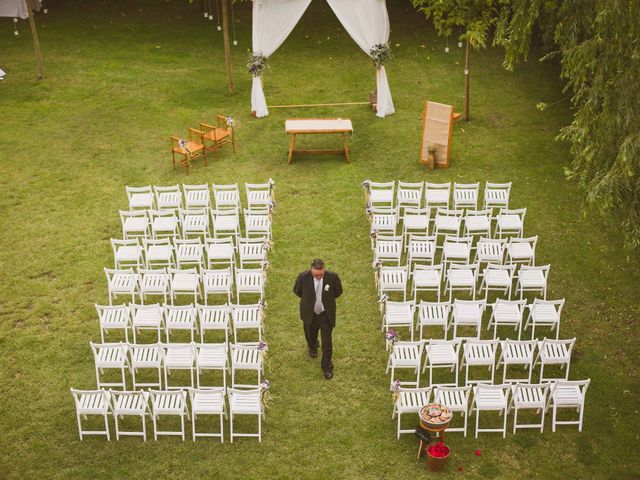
{"x": 318, "y": 126}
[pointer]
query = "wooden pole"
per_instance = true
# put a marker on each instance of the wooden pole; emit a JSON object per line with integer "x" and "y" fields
{"x": 318, "y": 105}
{"x": 227, "y": 46}
{"x": 36, "y": 42}
{"x": 466, "y": 81}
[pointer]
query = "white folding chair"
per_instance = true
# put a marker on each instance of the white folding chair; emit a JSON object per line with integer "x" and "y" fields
{"x": 196, "y": 196}
{"x": 257, "y": 222}
{"x": 92, "y": 402}
{"x": 384, "y": 221}
{"x": 121, "y": 282}
{"x": 213, "y": 317}
{"x": 434, "y": 314}
{"x": 130, "y": 404}
{"x": 442, "y": 354}
{"x": 168, "y": 404}
{"x": 526, "y": 396}
{"x": 168, "y": 198}
{"x": 387, "y": 249}
{"x": 415, "y": 222}
{"x": 554, "y": 352}
{"x": 145, "y": 357}
{"x": 164, "y": 224}
{"x": 110, "y": 356}
{"x": 140, "y": 198}
{"x": 217, "y": 282}
{"x": 491, "y": 398}
{"x": 220, "y": 251}
{"x": 226, "y": 197}
{"x": 179, "y": 318}
{"x": 426, "y": 278}
{"x": 522, "y": 250}
{"x": 158, "y": 253}
{"x": 194, "y": 222}
{"x": 533, "y": 279}
{"x": 252, "y": 251}
{"x": 496, "y": 195}
{"x": 135, "y": 224}
{"x": 405, "y": 356}
{"x": 479, "y": 353}
{"x": 381, "y": 194}
{"x": 544, "y": 313}
{"x": 113, "y": 317}
{"x": 245, "y": 402}
{"x": 410, "y": 400}
{"x": 146, "y": 317}
{"x": 456, "y": 250}
{"x": 126, "y": 253}
{"x": 456, "y": 399}
{"x": 507, "y": 313}
{"x": 189, "y": 252}
{"x": 497, "y": 278}
{"x": 247, "y": 317}
{"x": 447, "y": 222}
{"x": 211, "y": 356}
{"x": 153, "y": 282}
{"x": 249, "y": 281}
{"x": 465, "y": 195}
{"x": 467, "y": 313}
{"x": 260, "y": 195}
{"x": 392, "y": 279}
{"x": 510, "y": 222}
{"x": 520, "y": 353}
{"x": 398, "y": 314}
{"x": 567, "y": 394}
{"x": 184, "y": 282}
{"x": 178, "y": 356}
{"x": 208, "y": 401}
{"x": 246, "y": 357}
{"x": 461, "y": 278}
{"x": 437, "y": 195}
{"x": 409, "y": 195}
{"x": 421, "y": 249}
{"x": 490, "y": 250}
{"x": 226, "y": 223}
{"x": 477, "y": 222}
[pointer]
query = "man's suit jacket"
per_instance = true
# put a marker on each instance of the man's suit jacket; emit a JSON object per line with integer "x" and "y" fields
{"x": 305, "y": 289}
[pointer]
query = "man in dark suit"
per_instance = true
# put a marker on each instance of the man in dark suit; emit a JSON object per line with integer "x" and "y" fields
{"x": 318, "y": 289}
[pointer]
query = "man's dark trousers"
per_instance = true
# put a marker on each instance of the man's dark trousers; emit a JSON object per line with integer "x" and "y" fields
{"x": 320, "y": 323}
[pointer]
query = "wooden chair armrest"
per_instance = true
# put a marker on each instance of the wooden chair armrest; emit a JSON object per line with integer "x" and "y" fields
{"x": 199, "y": 134}
{"x": 206, "y": 126}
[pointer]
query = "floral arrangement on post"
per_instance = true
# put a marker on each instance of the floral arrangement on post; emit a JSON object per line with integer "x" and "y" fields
{"x": 432, "y": 148}
{"x": 257, "y": 64}
{"x": 391, "y": 337}
{"x": 182, "y": 143}
{"x": 395, "y": 390}
{"x": 380, "y": 53}
{"x": 265, "y": 386}
{"x": 232, "y": 122}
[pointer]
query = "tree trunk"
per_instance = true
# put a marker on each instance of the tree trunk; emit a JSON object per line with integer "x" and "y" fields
{"x": 466, "y": 81}
{"x": 227, "y": 46}
{"x": 36, "y": 42}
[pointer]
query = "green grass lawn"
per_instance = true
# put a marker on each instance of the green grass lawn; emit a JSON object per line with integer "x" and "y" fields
{"x": 121, "y": 78}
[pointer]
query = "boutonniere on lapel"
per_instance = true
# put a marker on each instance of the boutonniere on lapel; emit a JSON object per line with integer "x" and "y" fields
{"x": 327, "y": 287}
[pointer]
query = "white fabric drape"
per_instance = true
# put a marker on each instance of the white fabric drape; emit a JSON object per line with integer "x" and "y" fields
{"x": 273, "y": 21}
{"x": 367, "y": 21}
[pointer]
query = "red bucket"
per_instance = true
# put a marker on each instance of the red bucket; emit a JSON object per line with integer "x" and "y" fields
{"x": 437, "y": 455}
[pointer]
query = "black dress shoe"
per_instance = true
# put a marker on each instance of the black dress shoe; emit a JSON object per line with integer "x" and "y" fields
{"x": 313, "y": 353}
{"x": 328, "y": 375}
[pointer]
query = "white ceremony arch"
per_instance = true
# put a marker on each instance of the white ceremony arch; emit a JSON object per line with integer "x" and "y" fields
{"x": 367, "y": 21}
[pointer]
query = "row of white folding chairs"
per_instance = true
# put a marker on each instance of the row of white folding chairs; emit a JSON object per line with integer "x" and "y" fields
{"x": 225, "y": 196}
{"x": 470, "y": 313}
{"x": 167, "y": 357}
{"x": 155, "y": 404}
{"x": 507, "y": 222}
{"x": 540, "y": 397}
{"x": 423, "y": 249}
{"x": 186, "y": 318}
{"x": 167, "y": 252}
{"x": 412, "y": 194}
{"x": 458, "y": 354}
{"x": 463, "y": 277}
{"x": 201, "y": 222}
{"x": 173, "y": 282}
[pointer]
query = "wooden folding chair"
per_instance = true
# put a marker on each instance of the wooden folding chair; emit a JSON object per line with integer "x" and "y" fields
{"x": 190, "y": 149}
{"x": 215, "y": 137}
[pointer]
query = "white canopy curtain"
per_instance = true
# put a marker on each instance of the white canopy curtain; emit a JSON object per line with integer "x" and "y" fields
{"x": 273, "y": 21}
{"x": 367, "y": 21}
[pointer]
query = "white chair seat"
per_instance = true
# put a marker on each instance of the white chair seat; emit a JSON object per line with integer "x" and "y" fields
{"x": 405, "y": 356}
{"x": 520, "y": 251}
{"x": 135, "y": 224}
{"x": 442, "y": 355}
{"x": 197, "y": 198}
{"x": 220, "y": 252}
{"x": 227, "y": 222}
{"x": 164, "y": 224}
{"x": 447, "y": 223}
{"x": 456, "y": 400}
{"x": 532, "y": 279}
{"x": 433, "y": 315}
{"x": 489, "y": 252}
{"x": 567, "y": 395}
{"x": 189, "y": 252}
{"x": 509, "y": 222}
{"x": 381, "y": 196}
{"x": 169, "y": 200}
{"x": 128, "y": 254}
{"x": 411, "y": 401}
{"x": 461, "y": 278}
{"x": 544, "y": 314}
{"x": 112, "y": 318}
{"x": 192, "y": 222}
{"x": 153, "y": 283}
{"x": 212, "y": 356}
{"x": 426, "y": 278}
{"x": 185, "y": 281}
{"x": 130, "y": 405}
{"x": 207, "y": 404}
{"x": 110, "y": 357}
{"x": 247, "y": 405}
{"x": 497, "y": 278}
{"x": 92, "y": 403}
{"x": 169, "y": 404}
{"x": 517, "y": 353}
{"x": 456, "y": 251}
{"x": 479, "y": 354}
{"x": 178, "y": 358}
{"x": 490, "y": 399}
{"x": 141, "y": 200}
{"x": 247, "y": 358}
{"x": 148, "y": 317}
{"x": 507, "y": 313}
{"x": 438, "y": 196}
{"x": 259, "y": 197}
{"x": 528, "y": 397}
{"x": 554, "y": 352}
{"x": 416, "y": 222}
{"x": 157, "y": 253}
{"x": 477, "y": 223}
{"x": 145, "y": 358}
